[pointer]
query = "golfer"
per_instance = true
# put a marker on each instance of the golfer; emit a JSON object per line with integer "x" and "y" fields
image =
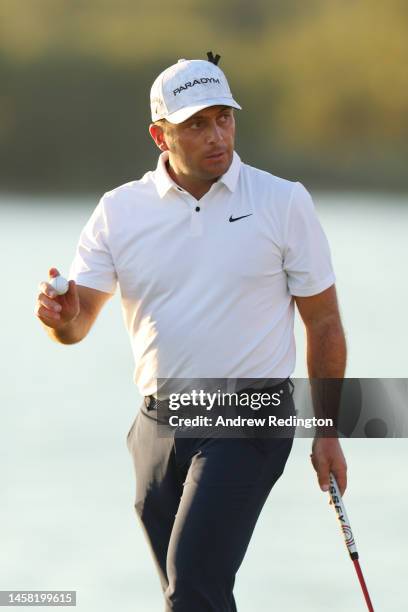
{"x": 211, "y": 255}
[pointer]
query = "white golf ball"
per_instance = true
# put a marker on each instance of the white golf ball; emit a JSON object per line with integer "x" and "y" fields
{"x": 60, "y": 284}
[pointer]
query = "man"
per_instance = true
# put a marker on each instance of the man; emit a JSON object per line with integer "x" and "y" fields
{"x": 210, "y": 255}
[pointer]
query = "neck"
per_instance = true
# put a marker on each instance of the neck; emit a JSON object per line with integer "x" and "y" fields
{"x": 196, "y": 187}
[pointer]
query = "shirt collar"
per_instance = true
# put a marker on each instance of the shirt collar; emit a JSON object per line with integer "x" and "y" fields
{"x": 164, "y": 182}
{"x": 162, "y": 178}
{"x": 230, "y": 178}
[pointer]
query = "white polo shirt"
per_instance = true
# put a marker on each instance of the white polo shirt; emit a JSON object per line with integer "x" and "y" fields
{"x": 207, "y": 285}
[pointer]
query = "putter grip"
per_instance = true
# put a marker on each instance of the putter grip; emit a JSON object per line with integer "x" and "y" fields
{"x": 342, "y": 517}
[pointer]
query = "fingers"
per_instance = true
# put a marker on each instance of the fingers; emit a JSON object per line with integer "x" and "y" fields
{"x": 48, "y": 304}
{"x": 70, "y": 299}
{"x": 322, "y": 468}
{"x": 71, "y": 288}
{"x": 47, "y": 307}
{"x": 46, "y": 314}
{"x": 53, "y": 272}
{"x": 323, "y": 475}
{"x": 340, "y": 474}
{"x": 47, "y": 290}
{"x": 46, "y": 287}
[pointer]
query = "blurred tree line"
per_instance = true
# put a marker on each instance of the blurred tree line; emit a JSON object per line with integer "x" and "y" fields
{"x": 323, "y": 85}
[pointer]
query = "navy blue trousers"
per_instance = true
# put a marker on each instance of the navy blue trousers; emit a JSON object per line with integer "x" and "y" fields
{"x": 198, "y": 501}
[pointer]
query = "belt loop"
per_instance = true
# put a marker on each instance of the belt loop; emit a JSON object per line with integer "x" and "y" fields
{"x": 292, "y": 386}
{"x": 151, "y": 402}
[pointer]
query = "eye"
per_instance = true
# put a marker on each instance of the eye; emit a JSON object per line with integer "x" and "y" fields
{"x": 195, "y": 125}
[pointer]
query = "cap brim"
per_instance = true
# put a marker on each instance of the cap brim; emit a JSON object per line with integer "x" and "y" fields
{"x": 185, "y": 113}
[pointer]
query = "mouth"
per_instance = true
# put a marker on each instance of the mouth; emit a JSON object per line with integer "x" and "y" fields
{"x": 216, "y": 156}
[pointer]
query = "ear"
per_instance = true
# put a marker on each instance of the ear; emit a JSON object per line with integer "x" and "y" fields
{"x": 157, "y": 133}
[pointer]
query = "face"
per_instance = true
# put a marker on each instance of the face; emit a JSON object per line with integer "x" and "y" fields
{"x": 201, "y": 147}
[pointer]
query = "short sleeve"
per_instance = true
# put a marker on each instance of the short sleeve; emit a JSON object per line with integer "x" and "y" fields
{"x": 93, "y": 265}
{"x": 306, "y": 257}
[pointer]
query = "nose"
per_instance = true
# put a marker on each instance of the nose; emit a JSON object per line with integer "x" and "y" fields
{"x": 214, "y": 133}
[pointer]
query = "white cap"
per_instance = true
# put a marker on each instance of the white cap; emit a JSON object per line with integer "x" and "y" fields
{"x": 186, "y": 88}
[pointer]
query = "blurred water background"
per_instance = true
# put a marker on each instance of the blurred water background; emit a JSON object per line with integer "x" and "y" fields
{"x": 323, "y": 86}
{"x": 324, "y": 91}
{"x": 67, "y": 483}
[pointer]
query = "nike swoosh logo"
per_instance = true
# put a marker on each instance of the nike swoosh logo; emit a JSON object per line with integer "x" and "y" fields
{"x": 238, "y": 218}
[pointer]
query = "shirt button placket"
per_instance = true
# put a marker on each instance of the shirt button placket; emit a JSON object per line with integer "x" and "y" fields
{"x": 196, "y": 223}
